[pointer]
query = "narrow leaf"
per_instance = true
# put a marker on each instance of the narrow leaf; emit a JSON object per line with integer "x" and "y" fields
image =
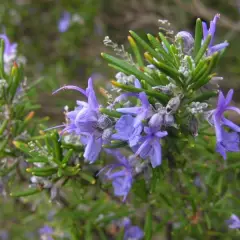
{"x": 145, "y": 46}
{"x": 198, "y": 36}
{"x": 148, "y": 225}
{"x": 136, "y": 51}
{"x": 110, "y": 113}
{"x": 161, "y": 97}
{"x": 87, "y": 177}
{"x": 129, "y": 69}
{"x": 26, "y": 193}
{"x": 203, "y": 49}
{"x": 204, "y": 97}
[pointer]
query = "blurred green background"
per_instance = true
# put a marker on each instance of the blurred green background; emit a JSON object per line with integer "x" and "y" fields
{"x": 71, "y": 57}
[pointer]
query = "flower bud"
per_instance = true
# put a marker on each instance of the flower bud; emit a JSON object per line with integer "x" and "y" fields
{"x": 104, "y": 122}
{"x": 107, "y": 133}
{"x": 173, "y": 104}
{"x": 188, "y": 41}
{"x": 169, "y": 120}
{"x": 156, "y": 120}
{"x": 193, "y": 126}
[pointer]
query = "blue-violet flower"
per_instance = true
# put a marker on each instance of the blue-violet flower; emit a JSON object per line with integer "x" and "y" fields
{"x": 212, "y": 29}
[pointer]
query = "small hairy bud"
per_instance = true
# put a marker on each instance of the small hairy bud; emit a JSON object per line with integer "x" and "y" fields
{"x": 197, "y": 107}
{"x": 156, "y": 120}
{"x": 104, "y": 122}
{"x": 173, "y": 104}
{"x": 193, "y": 126}
{"x": 188, "y": 41}
{"x": 169, "y": 120}
{"x": 107, "y": 133}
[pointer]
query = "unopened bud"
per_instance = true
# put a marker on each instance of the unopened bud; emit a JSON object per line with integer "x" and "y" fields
{"x": 188, "y": 41}
{"x": 169, "y": 120}
{"x": 173, "y": 104}
{"x": 107, "y": 133}
{"x": 156, "y": 120}
{"x": 104, "y": 122}
{"x": 193, "y": 126}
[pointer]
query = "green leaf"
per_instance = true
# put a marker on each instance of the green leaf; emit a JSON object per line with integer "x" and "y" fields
{"x": 87, "y": 177}
{"x": 159, "y": 96}
{"x": 3, "y": 126}
{"x": 15, "y": 79}
{"x": 101, "y": 233}
{"x": 71, "y": 171}
{"x": 42, "y": 170}
{"x": 57, "y": 150}
{"x": 110, "y": 113}
{"x": 140, "y": 189}
{"x": 200, "y": 73}
{"x": 28, "y": 192}
{"x": 169, "y": 49}
{"x": 147, "y": 47}
{"x": 2, "y": 72}
{"x": 136, "y": 51}
{"x": 208, "y": 221}
{"x": 198, "y": 36}
{"x": 67, "y": 156}
{"x": 166, "y": 43}
{"x": 3, "y": 144}
{"x": 127, "y": 68}
{"x": 203, "y": 49}
{"x": 155, "y": 43}
{"x": 148, "y": 225}
{"x": 169, "y": 71}
{"x": 204, "y": 97}
{"x": 88, "y": 231}
{"x": 37, "y": 160}
{"x": 4, "y": 171}
{"x": 115, "y": 144}
{"x": 23, "y": 147}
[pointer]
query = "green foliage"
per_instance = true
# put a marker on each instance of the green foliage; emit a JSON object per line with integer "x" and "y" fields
{"x": 190, "y": 195}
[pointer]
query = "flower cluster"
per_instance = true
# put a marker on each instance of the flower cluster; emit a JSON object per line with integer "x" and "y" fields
{"x": 152, "y": 105}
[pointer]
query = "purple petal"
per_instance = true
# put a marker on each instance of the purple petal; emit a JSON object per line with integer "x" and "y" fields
{"x": 137, "y": 84}
{"x": 161, "y": 134}
{"x": 205, "y": 30}
{"x": 143, "y": 147}
{"x": 124, "y": 127}
{"x": 229, "y": 97}
{"x": 92, "y": 149}
{"x": 233, "y": 222}
{"x": 135, "y": 137}
{"x": 131, "y": 110}
{"x": 64, "y": 22}
{"x": 235, "y": 109}
{"x": 231, "y": 125}
{"x": 221, "y": 100}
{"x": 156, "y": 154}
{"x": 139, "y": 118}
{"x": 70, "y": 87}
{"x": 116, "y": 174}
{"x": 218, "y": 47}
{"x": 92, "y": 99}
{"x": 144, "y": 99}
{"x": 218, "y": 129}
{"x": 221, "y": 150}
{"x": 133, "y": 232}
{"x": 212, "y": 28}
{"x": 124, "y": 96}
